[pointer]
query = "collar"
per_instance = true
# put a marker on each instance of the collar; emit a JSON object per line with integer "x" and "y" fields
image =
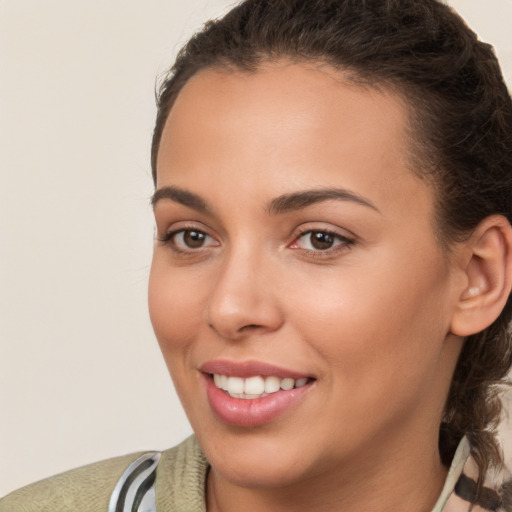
{"x": 459, "y": 491}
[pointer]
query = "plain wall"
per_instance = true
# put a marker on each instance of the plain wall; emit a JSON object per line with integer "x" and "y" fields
{"x": 81, "y": 376}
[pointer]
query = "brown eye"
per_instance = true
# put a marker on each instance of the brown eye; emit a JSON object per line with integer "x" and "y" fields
{"x": 193, "y": 239}
{"x": 187, "y": 239}
{"x": 321, "y": 241}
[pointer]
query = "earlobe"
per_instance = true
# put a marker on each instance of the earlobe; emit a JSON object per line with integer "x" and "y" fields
{"x": 488, "y": 272}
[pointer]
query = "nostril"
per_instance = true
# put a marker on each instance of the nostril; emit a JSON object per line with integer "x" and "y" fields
{"x": 250, "y": 327}
{"x": 234, "y": 332}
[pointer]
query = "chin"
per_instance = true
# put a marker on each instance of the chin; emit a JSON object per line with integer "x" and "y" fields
{"x": 264, "y": 472}
{"x": 258, "y": 459}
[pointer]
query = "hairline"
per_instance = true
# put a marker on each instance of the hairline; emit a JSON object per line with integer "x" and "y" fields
{"x": 422, "y": 161}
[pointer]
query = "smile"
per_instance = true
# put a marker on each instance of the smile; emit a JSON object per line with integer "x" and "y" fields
{"x": 255, "y": 387}
{"x": 252, "y": 393}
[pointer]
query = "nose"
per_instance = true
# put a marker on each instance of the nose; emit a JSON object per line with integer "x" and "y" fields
{"x": 244, "y": 300}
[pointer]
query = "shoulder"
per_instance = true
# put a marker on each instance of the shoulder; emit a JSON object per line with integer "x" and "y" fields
{"x": 85, "y": 488}
{"x": 180, "y": 478}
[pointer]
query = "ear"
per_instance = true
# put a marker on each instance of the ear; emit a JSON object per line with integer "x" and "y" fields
{"x": 487, "y": 264}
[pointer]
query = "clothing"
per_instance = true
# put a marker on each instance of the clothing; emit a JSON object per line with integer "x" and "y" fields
{"x": 180, "y": 484}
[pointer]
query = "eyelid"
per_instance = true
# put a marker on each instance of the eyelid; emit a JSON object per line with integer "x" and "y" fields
{"x": 323, "y": 227}
{"x": 167, "y": 227}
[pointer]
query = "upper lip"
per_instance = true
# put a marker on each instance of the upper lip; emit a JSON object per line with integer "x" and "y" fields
{"x": 246, "y": 369}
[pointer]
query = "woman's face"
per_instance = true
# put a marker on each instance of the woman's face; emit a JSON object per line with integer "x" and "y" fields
{"x": 296, "y": 250}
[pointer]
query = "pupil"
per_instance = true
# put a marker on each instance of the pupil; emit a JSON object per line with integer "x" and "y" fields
{"x": 193, "y": 239}
{"x": 321, "y": 240}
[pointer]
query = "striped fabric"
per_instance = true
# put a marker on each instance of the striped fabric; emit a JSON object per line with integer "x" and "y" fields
{"x": 461, "y": 490}
{"x": 135, "y": 490}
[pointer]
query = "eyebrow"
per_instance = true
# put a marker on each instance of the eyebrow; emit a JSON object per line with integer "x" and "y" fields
{"x": 179, "y": 195}
{"x": 278, "y": 205}
{"x": 303, "y": 199}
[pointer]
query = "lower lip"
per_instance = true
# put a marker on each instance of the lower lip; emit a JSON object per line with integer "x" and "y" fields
{"x": 253, "y": 412}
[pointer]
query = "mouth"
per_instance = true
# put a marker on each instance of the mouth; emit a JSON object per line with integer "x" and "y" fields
{"x": 251, "y": 394}
{"x": 257, "y": 386}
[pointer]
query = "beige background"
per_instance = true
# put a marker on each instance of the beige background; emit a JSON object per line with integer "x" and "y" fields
{"x": 81, "y": 377}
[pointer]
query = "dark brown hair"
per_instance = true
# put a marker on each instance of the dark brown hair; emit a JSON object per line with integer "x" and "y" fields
{"x": 461, "y": 117}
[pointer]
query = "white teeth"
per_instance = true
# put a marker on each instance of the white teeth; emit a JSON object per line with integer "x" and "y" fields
{"x": 272, "y": 384}
{"x": 255, "y": 387}
{"x": 287, "y": 384}
{"x": 235, "y": 385}
{"x": 245, "y": 396}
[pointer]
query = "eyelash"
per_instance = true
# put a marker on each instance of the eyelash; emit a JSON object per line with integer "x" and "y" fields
{"x": 169, "y": 240}
{"x": 344, "y": 242}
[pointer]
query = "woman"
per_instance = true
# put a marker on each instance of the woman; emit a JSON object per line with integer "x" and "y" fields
{"x": 332, "y": 268}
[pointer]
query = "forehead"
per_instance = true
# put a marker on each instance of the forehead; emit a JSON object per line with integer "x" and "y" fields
{"x": 292, "y": 94}
{"x": 288, "y": 124}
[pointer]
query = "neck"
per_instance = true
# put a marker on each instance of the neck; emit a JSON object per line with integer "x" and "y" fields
{"x": 408, "y": 475}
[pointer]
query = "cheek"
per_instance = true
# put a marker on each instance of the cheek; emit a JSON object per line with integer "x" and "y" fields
{"x": 175, "y": 316}
{"x": 373, "y": 325}
{"x": 379, "y": 356}
{"x": 174, "y": 307}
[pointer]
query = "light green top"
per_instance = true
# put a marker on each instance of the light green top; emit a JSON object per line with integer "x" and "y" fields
{"x": 180, "y": 481}
{"x": 180, "y": 485}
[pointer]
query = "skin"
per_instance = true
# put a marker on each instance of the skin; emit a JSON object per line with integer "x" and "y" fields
{"x": 369, "y": 319}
